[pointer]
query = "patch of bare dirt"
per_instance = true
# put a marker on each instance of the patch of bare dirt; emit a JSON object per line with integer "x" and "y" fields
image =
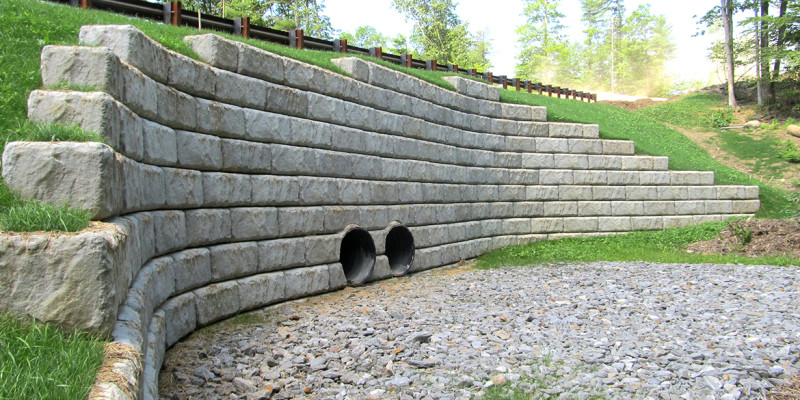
{"x": 632, "y": 105}
{"x": 789, "y": 391}
{"x": 755, "y": 237}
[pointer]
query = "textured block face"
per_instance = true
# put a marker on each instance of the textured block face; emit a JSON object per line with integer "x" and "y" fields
{"x": 207, "y": 226}
{"x": 233, "y": 260}
{"x": 220, "y": 119}
{"x": 250, "y": 223}
{"x": 191, "y": 77}
{"x": 215, "y": 50}
{"x": 192, "y": 268}
{"x": 197, "y": 151}
{"x": 217, "y": 301}
{"x": 131, "y": 46}
{"x": 582, "y": 224}
{"x": 81, "y": 66}
{"x": 614, "y": 224}
{"x": 224, "y": 189}
{"x": 261, "y": 290}
{"x": 159, "y": 144}
{"x": 301, "y": 282}
{"x": 180, "y": 318}
{"x": 184, "y": 188}
{"x": 281, "y": 254}
{"x": 240, "y": 90}
{"x": 170, "y": 231}
{"x": 80, "y": 175}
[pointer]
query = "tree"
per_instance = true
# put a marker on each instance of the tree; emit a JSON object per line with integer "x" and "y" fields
{"x": 541, "y": 41}
{"x": 726, "y": 15}
{"x": 365, "y": 36}
{"x": 438, "y": 32}
{"x": 477, "y": 54}
{"x": 603, "y": 19}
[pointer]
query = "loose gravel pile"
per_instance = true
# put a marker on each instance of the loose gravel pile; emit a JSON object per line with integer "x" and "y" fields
{"x": 611, "y": 330}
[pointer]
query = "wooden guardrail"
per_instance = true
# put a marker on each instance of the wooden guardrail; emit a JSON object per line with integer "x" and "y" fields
{"x": 172, "y": 13}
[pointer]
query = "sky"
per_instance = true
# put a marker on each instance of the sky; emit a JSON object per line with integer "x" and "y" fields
{"x": 500, "y": 18}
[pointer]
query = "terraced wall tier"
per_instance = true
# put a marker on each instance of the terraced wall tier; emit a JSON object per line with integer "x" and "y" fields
{"x": 252, "y": 179}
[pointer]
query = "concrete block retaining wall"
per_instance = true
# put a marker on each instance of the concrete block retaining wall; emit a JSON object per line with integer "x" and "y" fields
{"x": 236, "y": 184}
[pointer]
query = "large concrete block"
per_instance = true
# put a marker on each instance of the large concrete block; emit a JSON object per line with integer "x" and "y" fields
{"x": 637, "y": 163}
{"x": 159, "y": 144}
{"x": 654, "y": 178}
{"x": 220, "y": 119}
{"x": 261, "y": 290}
{"x": 641, "y": 193}
{"x": 580, "y": 224}
{"x": 180, "y": 318}
{"x": 198, "y": 151}
{"x": 605, "y": 162}
{"x": 594, "y": 208}
{"x": 585, "y": 146}
{"x": 192, "y": 269}
{"x": 357, "y": 68}
{"x": 620, "y": 208}
{"x": 251, "y": 223}
{"x": 589, "y": 177}
{"x": 301, "y": 282}
{"x": 169, "y": 230}
{"x": 81, "y": 66}
{"x": 555, "y": 177}
{"x": 623, "y": 178}
{"x": 690, "y": 207}
{"x": 608, "y": 192}
{"x": 659, "y": 208}
{"x": 226, "y": 189}
{"x": 241, "y": 90}
{"x": 647, "y": 223}
{"x": 68, "y": 280}
{"x": 275, "y": 190}
{"x": 552, "y": 145}
{"x": 140, "y": 94}
{"x": 614, "y": 224}
{"x": 560, "y": 208}
{"x": 678, "y": 221}
{"x": 571, "y": 161}
{"x": 281, "y": 254}
{"x": 261, "y": 64}
{"x": 155, "y": 283}
{"x": 207, "y": 226}
{"x": 746, "y": 206}
{"x": 538, "y": 160}
{"x": 719, "y": 206}
{"x": 86, "y": 176}
{"x": 217, "y": 301}
{"x": 233, "y": 260}
{"x": 215, "y": 50}
{"x": 176, "y": 109}
{"x": 191, "y": 77}
{"x": 322, "y": 249}
{"x": 565, "y": 130}
{"x": 618, "y": 147}
{"x": 184, "y": 188}
{"x": 567, "y": 192}
{"x": 131, "y": 45}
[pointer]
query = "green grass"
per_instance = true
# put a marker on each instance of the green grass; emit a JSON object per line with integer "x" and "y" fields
{"x": 667, "y": 246}
{"x": 40, "y": 362}
{"x": 691, "y": 111}
{"x": 544, "y": 375}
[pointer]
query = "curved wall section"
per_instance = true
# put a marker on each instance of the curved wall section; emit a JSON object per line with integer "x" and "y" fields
{"x": 230, "y": 185}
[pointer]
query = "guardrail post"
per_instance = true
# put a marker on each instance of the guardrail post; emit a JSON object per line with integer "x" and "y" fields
{"x": 504, "y": 81}
{"x": 528, "y": 86}
{"x": 340, "y": 46}
{"x": 171, "y": 12}
{"x": 472, "y": 72}
{"x": 376, "y": 52}
{"x": 488, "y": 76}
{"x": 84, "y": 4}
{"x": 452, "y": 68}
{"x": 549, "y": 90}
{"x": 516, "y": 83}
{"x": 430, "y": 65}
{"x": 405, "y": 60}
{"x": 241, "y": 27}
{"x": 296, "y": 38}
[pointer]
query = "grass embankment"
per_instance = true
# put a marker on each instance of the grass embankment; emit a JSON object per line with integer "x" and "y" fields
{"x": 40, "y": 362}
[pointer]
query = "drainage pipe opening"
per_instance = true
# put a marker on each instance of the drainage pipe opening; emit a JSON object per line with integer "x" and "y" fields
{"x": 357, "y": 255}
{"x": 400, "y": 249}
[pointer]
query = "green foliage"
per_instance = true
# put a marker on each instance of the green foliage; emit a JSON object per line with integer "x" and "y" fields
{"x": 543, "y": 46}
{"x": 657, "y": 246}
{"x": 38, "y": 361}
{"x": 38, "y": 132}
{"x": 744, "y": 235}
{"x": 692, "y": 110}
{"x": 789, "y": 151}
{"x": 721, "y": 118}
{"x": 18, "y": 215}
{"x": 365, "y": 36}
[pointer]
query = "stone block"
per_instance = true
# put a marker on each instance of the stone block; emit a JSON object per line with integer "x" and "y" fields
{"x": 184, "y": 188}
{"x": 581, "y": 224}
{"x": 719, "y": 206}
{"x": 560, "y": 208}
{"x": 220, "y": 119}
{"x": 215, "y": 50}
{"x": 275, "y": 190}
{"x": 141, "y": 246}
{"x": 70, "y": 281}
{"x": 261, "y": 290}
{"x": 538, "y": 160}
{"x": 159, "y": 144}
{"x": 357, "y": 68}
{"x": 300, "y": 221}
{"x": 605, "y": 162}
{"x": 608, "y": 192}
{"x": 678, "y": 221}
{"x": 192, "y": 77}
{"x": 261, "y": 64}
{"x": 198, "y": 151}
{"x": 690, "y": 207}
{"x": 585, "y": 146}
{"x": 302, "y": 282}
{"x": 565, "y": 130}
{"x": 594, "y": 208}
{"x": 207, "y": 226}
{"x": 567, "y": 192}
{"x": 336, "y": 278}
{"x": 623, "y": 147}
{"x": 241, "y": 90}
{"x": 627, "y": 208}
{"x": 746, "y": 206}
{"x": 659, "y": 208}
{"x": 169, "y": 231}
{"x": 81, "y": 66}
{"x": 222, "y": 189}
{"x": 571, "y": 161}
{"x": 245, "y": 156}
{"x": 140, "y": 94}
{"x": 180, "y": 318}
{"x": 614, "y": 224}
{"x": 322, "y": 249}
{"x": 176, "y": 109}
{"x": 641, "y": 193}
{"x": 281, "y": 254}
{"x": 659, "y": 178}
{"x": 660, "y": 163}
{"x": 589, "y": 177}
{"x": 251, "y": 223}
{"x": 192, "y": 269}
{"x": 552, "y": 145}
{"x": 79, "y": 175}
{"x": 591, "y": 131}
{"x": 156, "y": 282}
{"x": 731, "y": 192}
{"x": 292, "y": 160}
{"x": 623, "y": 178}
{"x": 217, "y": 301}
{"x": 555, "y": 177}
{"x": 131, "y": 45}
{"x": 647, "y": 223}
{"x": 233, "y": 260}
{"x": 681, "y": 178}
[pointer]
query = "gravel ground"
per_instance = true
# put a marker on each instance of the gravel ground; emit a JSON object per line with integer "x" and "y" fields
{"x": 600, "y": 330}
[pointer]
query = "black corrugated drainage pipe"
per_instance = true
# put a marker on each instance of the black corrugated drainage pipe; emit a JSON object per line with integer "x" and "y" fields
{"x": 399, "y": 249}
{"x": 357, "y": 255}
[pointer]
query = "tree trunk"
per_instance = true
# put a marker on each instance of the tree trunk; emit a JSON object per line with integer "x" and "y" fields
{"x": 727, "y": 23}
{"x": 779, "y": 47}
{"x": 764, "y": 77}
{"x": 757, "y": 42}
